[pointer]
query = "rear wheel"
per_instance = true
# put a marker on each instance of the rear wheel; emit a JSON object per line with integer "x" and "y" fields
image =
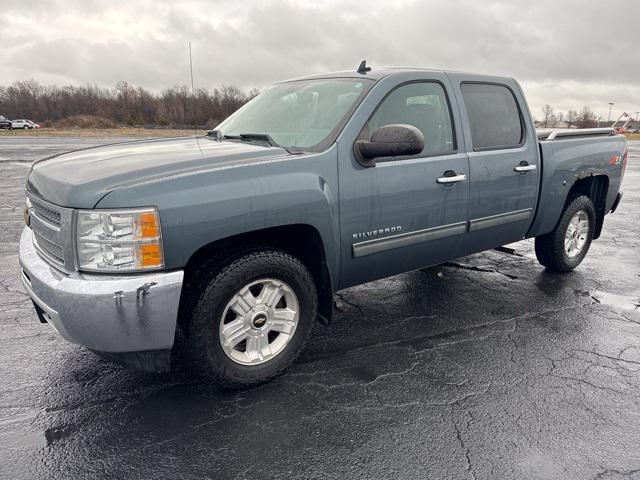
{"x": 251, "y": 318}
{"x": 565, "y": 247}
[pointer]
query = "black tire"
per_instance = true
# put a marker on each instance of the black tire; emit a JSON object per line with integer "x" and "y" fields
{"x": 550, "y": 248}
{"x": 26, "y": 127}
{"x": 209, "y": 293}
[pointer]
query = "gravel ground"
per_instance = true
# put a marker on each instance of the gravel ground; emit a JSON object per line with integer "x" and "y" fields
{"x": 483, "y": 368}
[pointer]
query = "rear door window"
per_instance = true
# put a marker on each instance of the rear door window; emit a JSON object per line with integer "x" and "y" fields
{"x": 494, "y": 116}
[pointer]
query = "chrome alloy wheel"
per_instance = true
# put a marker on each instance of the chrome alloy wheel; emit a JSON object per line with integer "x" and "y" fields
{"x": 576, "y": 234}
{"x": 259, "y": 321}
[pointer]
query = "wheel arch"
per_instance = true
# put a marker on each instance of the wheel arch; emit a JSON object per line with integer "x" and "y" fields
{"x": 596, "y": 187}
{"x": 300, "y": 240}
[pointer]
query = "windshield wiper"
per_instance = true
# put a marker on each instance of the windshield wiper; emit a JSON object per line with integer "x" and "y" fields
{"x": 247, "y": 137}
{"x": 261, "y": 137}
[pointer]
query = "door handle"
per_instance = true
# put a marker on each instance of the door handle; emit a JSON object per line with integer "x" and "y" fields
{"x": 452, "y": 179}
{"x": 525, "y": 168}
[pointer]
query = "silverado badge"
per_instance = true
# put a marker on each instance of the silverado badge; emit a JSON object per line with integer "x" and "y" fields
{"x": 377, "y": 232}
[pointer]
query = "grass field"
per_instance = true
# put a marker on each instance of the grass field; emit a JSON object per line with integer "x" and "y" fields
{"x": 101, "y": 132}
{"x": 633, "y": 136}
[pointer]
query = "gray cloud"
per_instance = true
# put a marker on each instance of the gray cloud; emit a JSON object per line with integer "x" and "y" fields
{"x": 569, "y": 53}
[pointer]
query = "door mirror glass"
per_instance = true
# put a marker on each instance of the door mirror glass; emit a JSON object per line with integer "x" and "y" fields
{"x": 391, "y": 141}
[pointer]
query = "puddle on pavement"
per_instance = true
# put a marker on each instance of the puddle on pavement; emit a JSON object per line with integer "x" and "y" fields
{"x": 623, "y": 302}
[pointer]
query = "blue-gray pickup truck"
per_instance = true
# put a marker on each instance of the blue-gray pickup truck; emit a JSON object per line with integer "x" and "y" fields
{"x": 226, "y": 248}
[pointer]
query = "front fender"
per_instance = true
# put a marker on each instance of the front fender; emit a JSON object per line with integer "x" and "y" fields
{"x": 198, "y": 209}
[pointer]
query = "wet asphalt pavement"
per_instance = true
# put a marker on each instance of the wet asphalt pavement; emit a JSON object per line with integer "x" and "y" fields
{"x": 484, "y": 368}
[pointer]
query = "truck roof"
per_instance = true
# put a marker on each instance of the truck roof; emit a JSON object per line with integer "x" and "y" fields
{"x": 379, "y": 73}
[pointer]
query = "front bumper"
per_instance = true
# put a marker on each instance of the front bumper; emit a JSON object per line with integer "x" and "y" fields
{"x": 121, "y": 316}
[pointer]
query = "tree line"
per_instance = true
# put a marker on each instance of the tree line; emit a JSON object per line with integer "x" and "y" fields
{"x": 177, "y": 106}
{"x": 584, "y": 118}
{"x": 125, "y": 104}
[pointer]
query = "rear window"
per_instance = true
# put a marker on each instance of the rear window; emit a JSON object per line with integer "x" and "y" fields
{"x": 494, "y": 116}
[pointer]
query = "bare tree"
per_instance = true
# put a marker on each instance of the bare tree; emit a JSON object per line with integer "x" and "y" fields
{"x": 572, "y": 115}
{"x": 124, "y": 104}
{"x": 548, "y": 117}
{"x": 586, "y": 118}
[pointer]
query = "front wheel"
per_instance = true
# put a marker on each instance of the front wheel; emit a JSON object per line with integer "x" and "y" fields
{"x": 565, "y": 247}
{"x": 251, "y": 318}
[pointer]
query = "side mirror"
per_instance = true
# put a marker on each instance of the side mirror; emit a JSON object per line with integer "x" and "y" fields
{"x": 390, "y": 141}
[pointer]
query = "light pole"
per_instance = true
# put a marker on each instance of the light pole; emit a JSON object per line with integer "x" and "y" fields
{"x": 609, "y": 117}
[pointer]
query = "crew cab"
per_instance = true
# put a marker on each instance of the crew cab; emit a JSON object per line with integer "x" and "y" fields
{"x": 227, "y": 248}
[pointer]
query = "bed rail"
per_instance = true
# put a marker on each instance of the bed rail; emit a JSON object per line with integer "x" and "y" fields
{"x": 553, "y": 133}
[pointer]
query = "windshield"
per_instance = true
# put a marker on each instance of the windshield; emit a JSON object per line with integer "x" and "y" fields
{"x": 298, "y": 115}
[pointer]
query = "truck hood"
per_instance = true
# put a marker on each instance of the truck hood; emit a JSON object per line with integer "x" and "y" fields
{"x": 81, "y": 178}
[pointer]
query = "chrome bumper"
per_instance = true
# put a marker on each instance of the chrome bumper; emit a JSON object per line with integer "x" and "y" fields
{"x": 105, "y": 313}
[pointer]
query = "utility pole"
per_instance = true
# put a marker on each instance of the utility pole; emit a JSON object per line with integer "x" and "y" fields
{"x": 609, "y": 117}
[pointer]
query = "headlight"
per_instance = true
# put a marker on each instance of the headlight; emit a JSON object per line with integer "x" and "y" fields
{"x": 119, "y": 240}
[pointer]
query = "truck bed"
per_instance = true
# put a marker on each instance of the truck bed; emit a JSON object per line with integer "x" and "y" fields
{"x": 568, "y": 155}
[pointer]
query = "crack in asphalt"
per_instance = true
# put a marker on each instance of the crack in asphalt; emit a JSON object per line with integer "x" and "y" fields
{"x": 624, "y": 374}
{"x": 463, "y": 445}
{"x": 587, "y": 294}
{"x": 582, "y": 381}
{"x": 408, "y": 343}
{"x": 348, "y": 302}
{"x": 475, "y": 268}
{"x": 609, "y": 471}
{"x": 609, "y": 357}
{"x": 626, "y": 319}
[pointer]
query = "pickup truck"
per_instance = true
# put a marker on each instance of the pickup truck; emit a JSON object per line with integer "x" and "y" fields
{"x": 224, "y": 250}
{"x": 5, "y": 124}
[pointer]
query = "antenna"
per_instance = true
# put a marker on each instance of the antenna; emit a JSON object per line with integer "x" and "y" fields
{"x": 193, "y": 101}
{"x": 363, "y": 69}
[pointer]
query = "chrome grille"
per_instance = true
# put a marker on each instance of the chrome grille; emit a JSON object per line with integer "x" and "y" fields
{"x": 50, "y": 249}
{"x": 46, "y": 213}
{"x": 52, "y": 232}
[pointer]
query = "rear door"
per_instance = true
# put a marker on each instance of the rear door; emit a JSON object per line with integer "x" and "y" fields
{"x": 503, "y": 161}
{"x": 397, "y": 216}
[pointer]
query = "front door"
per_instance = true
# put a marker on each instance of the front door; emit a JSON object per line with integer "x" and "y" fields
{"x": 405, "y": 213}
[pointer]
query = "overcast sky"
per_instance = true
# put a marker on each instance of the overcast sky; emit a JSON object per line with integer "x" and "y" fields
{"x": 568, "y": 53}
